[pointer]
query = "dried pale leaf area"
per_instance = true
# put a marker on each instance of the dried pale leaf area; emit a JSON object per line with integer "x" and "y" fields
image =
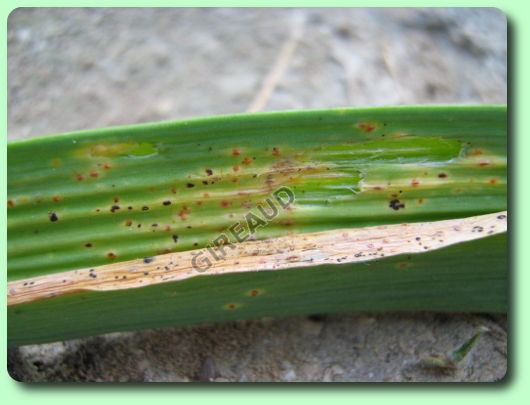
{"x": 297, "y": 250}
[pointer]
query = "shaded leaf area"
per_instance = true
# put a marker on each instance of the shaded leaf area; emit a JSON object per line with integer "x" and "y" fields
{"x": 471, "y": 276}
{"x": 95, "y": 197}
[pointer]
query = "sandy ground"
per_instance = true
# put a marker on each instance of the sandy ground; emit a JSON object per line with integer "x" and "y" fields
{"x": 73, "y": 69}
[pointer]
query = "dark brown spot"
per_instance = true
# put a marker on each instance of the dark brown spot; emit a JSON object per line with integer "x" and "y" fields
{"x": 128, "y": 223}
{"x": 175, "y": 238}
{"x": 276, "y": 152}
{"x": 190, "y": 185}
{"x": 209, "y": 172}
{"x": 225, "y": 204}
{"x": 167, "y": 203}
{"x": 246, "y": 161}
{"x": 396, "y": 204}
{"x": 53, "y": 217}
{"x": 174, "y": 190}
{"x": 145, "y": 208}
{"x": 111, "y": 256}
{"x": 482, "y": 164}
{"x": 502, "y": 216}
{"x": 114, "y": 208}
{"x": 148, "y": 260}
{"x": 94, "y": 174}
{"x": 442, "y": 175}
{"x": 116, "y": 199}
{"x": 88, "y": 245}
{"x": 129, "y": 207}
{"x": 10, "y": 203}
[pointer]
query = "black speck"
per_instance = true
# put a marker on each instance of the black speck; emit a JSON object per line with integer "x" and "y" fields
{"x": 53, "y": 217}
{"x": 145, "y": 208}
{"x": 190, "y": 185}
{"x": 189, "y": 227}
{"x": 139, "y": 225}
{"x": 477, "y": 229}
{"x": 155, "y": 225}
{"x": 114, "y": 208}
{"x": 146, "y": 273}
{"x": 501, "y": 217}
{"x": 418, "y": 238}
{"x": 205, "y": 182}
{"x": 148, "y": 259}
{"x": 209, "y": 172}
{"x": 442, "y": 175}
{"x": 93, "y": 275}
{"x": 175, "y": 238}
{"x": 124, "y": 277}
{"x": 166, "y": 267}
{"x": 167, "y": 203}
{"x": 129, "y": 207}
{"x": 396, "y": 204}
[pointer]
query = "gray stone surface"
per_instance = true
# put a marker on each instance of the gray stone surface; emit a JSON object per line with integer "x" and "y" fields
{"x": 73, "y": 69}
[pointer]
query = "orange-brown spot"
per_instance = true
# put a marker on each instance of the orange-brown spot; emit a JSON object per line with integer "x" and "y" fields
{"x": 174, "y": 190}
{"x": 225, "y": 204}
{"x": 484, "y": 163}
{"x": 477, "y": 152}
{"x": 168, "y": 228}
{"x": 378, "y": 188}
{"x": 128, "y": 223}
{"x": 111, "y": 256}
{"x": 403, "y": 265}
{"x": 415, "y": 183}
{"x": 236, "y": 152}
{"x": 276, "y": 152}
{"x": 107, "y": 166}
{"x": 234, "y": 180}
{"x": 94, "y": 174}
{"x": 399, "y": 135}
{"x": 287, "y": 222}
{"x": 458, "y": 190}
{"x": 494, "y": 181}
{"x": 247, "y": 161}
{"x": 116, "y": 199}
{"x": 79, "y": 177}
{"x": 56, "y": 198}
{"x": 10, "y": 203}
{"x": 199, "y": 203}
{"x": 56, "y": 162}
{"x": 421, "y": 201}
{"x": 235, "y": 168}
{"x": 366, "y": 127}
{"x": 231, "y": 306}
{"x": 206, "y": 195}
{"x": 152, "y": 188}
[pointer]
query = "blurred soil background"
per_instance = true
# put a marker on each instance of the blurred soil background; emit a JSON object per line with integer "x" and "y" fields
{"x": 74, "y": 69}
